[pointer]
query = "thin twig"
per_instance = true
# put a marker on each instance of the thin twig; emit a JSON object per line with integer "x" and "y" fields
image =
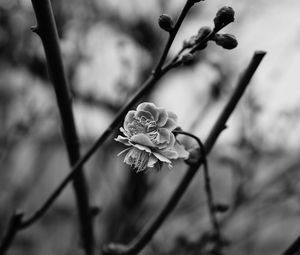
{"x": 208, "y": 190}
{"x": 47, "y": 31}
{"x": 188, "y": 5}
{"x": 146, "y": 235}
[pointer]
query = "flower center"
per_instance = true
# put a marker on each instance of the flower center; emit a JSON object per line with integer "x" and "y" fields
{"x": 137, "y": 159}
{"x": 143, "y": 125}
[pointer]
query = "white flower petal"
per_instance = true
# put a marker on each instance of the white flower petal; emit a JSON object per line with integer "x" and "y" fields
{"x": 141, "y": 147}
{"x": 170, "y": 154}
{"x": 128, "y": 119}
{"x": 170, "y": 124}
{"x": 173, "y": 116}
{"x": 163, "y": 135}
{"x": 142, "y": 139}
{"x": 122, "y": 139}
{"x": 161, "y": 157}
{"x": 145, "y": 114}
{"x": 149, "y": 107}
{"x": 162, "y": 117}
{"x": 182, "y": 152}
{"x": 152, "y": 161}
{"x": 125, "y": 132}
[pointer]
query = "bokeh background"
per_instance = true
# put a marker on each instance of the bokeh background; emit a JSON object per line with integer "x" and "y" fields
{"x": 109, "y": 48}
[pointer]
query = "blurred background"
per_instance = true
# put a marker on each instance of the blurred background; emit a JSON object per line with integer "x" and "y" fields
{"x": 109, "y": 48}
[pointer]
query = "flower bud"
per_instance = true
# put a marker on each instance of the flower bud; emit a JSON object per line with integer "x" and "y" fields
{"x": 194, "y": 156}
{"x": 227, "y": 41}
{"x": 186, "y": 44}
{"x": 203, "y": 32}
{"x": 223, "y": 17}
{"x": 165, "y": 22}
{"x": 190, "y": 42}
{"x": 187, "y": 58}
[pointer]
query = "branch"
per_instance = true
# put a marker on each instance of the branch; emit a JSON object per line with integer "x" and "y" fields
{"x": 13, "y": 227}
{"x": 146, "y": 235}
{"x": 294, "y": 248}
{"x": 47, "y": 31}
{"x": 173, "y": 32}
{"x": 208, "y": 190}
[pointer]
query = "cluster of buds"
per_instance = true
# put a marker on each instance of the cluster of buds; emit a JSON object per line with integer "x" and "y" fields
{"x": 223, "y": 17}
{"x": 197, "y": 39}
{"x": 198, "y": 42}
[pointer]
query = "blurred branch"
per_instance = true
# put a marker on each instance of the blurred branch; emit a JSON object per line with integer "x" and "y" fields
{"x": 47, "y": 31}
{"x": 13, "y": 227}
{"x": 146, "y": 235}
{"x": 294, "y": 248}
{"x": 92, "y": 100}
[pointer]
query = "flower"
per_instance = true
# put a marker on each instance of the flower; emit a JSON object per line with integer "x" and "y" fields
{"x": 148, "y": 134}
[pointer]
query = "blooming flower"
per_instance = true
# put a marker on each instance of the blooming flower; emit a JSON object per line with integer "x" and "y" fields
{"x": 148, "y": 134}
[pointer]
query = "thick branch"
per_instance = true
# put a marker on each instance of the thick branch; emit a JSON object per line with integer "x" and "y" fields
{"x": 47, "y": 31}
{"x": 146, "y": 235}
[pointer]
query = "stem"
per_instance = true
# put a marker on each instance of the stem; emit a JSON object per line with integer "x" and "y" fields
{"x": 173, "y": 33}
{"x": 146, "y": 235}
{"x": 208, "y": 190}
{"x": 198, "y": 46}
{"x": 238, "y": 92}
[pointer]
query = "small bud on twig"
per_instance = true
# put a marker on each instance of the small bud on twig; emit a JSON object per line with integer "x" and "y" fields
{"x": 187, "y": 58}
{"x": 189, "y": 43}
{"x": 223, "y": 17}
{"x": 227, "y": 41}
{"x": 165, "y": 22}
{"x": 203, "y": 32}
{"x": 195, "y": 156}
